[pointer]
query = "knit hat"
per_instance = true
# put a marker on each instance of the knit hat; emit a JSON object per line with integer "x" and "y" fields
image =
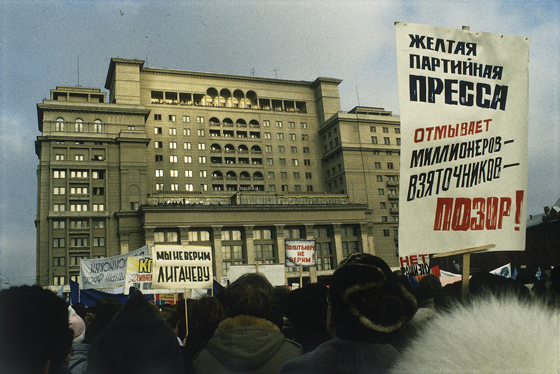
{"x": 77, "y": 324}
{"x": 137, "y": 340}
{"x": 368, "y": 301}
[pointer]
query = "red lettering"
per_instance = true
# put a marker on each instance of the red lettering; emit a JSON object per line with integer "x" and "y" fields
{"x": 463, "y": 214}
{"x": 404, "y": 260}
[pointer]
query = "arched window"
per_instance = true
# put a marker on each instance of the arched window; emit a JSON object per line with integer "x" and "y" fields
{"x": 79, "y": 125}
{"x": 97, "y": 126}
{"x": 59, "y": 126}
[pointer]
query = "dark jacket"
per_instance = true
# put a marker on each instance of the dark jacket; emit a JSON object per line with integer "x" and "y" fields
{"x": 245, "y": 344}
{"x": 338, "y": 356}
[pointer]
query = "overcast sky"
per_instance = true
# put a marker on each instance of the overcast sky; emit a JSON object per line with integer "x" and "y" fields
{"x": 300, "y": 40}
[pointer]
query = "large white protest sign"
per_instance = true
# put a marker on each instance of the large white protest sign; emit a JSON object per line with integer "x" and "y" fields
{"x": 300, "y": 252}
{"x": 106, "y": 273}
{"x": 463, "y": 107}
{"x": 139, "y": 275}
{"x": 180, "y": 266}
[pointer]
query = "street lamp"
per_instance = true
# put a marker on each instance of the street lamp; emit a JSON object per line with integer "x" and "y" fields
{"x": 4, "y": 283}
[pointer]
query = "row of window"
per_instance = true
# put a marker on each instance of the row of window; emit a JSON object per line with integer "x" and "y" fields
{"x": 96, "y": 126}
{"x": 385, "y": 129}
{"x": 78, "y": 207}
{"x": 78, "y": 157}
{"x": 95, "y": 174}
{"x": 386, "y": 140}
{"x": 96, "y": 191}
{"x": 235, "y": 134}
{"x": 78, "y": 224}
{"x": 227, "y": 122}
{"x": 189, "y": 187}
{"x": 78, "y": 242}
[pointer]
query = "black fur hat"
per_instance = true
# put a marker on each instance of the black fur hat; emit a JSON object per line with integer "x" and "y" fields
{"x": 136, "y": 340}
{"x": 369, "y": 302}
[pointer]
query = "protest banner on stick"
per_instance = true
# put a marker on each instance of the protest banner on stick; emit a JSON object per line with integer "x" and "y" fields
{"x": 300, "y": 253}
{"x": 464, "y": 123}
{"x": 179, "y": 266}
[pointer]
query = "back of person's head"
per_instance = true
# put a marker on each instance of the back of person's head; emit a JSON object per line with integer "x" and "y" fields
{"x": 207, "y": 311}
{"x": 105, "y": 310}
{"x": 170, "y": 316}
{"x": 428, "y": 287}
{"x": 305, "y": 311}
{"x": 136, "y": 340}
{"x": 368, "y": 302}
{"x": 482, "y": 284}
{"x": 250, "y": 294}
{"x": 33, "y": 330}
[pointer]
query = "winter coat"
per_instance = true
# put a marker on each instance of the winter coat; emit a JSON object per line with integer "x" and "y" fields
{"x": 78, "y": 358}
{"x": 245, "y": 344}
{"x": 338, "y": 356}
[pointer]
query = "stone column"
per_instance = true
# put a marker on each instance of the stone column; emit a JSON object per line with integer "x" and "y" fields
{"x": 250, "y": 246}
{"x": 124, "y": 242}
{"x": 312, "y": 271}
{"x": 366, "y": 233}
{"x": 217, "y": 244}
{"x": 338, "y": 255}
{"x": 184, "y": 234}
{"x": 281, "y": 247}
{"x": 149, "y": 234}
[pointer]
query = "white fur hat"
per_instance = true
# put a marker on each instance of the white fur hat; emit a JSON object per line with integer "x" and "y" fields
{"x": 490, "y": 335}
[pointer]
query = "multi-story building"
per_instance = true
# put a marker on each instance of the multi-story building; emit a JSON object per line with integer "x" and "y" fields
{"x": 237, "y": 163}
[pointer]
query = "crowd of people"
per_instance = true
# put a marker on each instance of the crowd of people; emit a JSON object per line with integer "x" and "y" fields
{"x": 369, "y": 319}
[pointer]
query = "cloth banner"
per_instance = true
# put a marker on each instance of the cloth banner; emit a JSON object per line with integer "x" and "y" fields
{"x": 90, "y": 297}
{"x": 139, "y": 275}
{"x": 108, "y": 272}
{"x": 464, "y": 123}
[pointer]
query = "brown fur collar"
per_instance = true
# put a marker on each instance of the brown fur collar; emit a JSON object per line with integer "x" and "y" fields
{"x": 244, "y": 321}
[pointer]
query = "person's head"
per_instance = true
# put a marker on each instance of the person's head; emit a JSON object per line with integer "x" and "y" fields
{"x": 136, "y": 340}
{"x": 77, "y": 325}
{"x": 34, "y": 332}
{"x": 250, "y": 294}
{"x": 171, "y": 316}
{"x": 428, "y": 287}
{"x": 305, "y": 312}
{"x": 207, "y": 311}
{"x": 105, "y": 309}
{"x": 366, "y": 301}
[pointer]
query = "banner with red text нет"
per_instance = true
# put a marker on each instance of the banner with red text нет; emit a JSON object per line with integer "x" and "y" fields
{"x": 463, "y": 105}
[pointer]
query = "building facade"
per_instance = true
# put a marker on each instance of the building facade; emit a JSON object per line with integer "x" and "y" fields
{"x": 237, "y": 163}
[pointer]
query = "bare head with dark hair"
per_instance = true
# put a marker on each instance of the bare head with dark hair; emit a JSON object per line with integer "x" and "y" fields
{"x": 251, "y": 294}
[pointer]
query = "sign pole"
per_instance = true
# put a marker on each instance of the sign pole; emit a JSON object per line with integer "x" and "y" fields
{"x": 300, "y": 275}
{"x": 466, "y": 263}
{"x": 186, "y": 316}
